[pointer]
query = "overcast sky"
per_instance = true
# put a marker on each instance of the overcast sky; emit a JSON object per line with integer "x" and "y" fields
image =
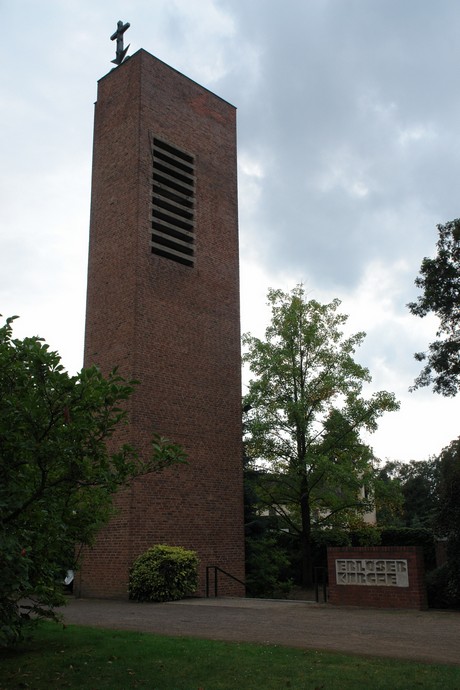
{"x": 349, "y": 155}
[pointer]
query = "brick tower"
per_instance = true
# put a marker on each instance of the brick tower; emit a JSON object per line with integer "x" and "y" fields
{"x": 163, "y": 305}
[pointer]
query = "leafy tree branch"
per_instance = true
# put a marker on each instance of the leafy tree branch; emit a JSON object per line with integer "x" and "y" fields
{"x": 60, "y": 464}
{"x": 439, "y": 280}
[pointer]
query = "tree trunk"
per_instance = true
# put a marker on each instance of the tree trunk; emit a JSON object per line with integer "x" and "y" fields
{"x": 305, "y": 543}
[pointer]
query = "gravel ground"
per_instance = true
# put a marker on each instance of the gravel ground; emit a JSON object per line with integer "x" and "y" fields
{"x": 431, "y": 636}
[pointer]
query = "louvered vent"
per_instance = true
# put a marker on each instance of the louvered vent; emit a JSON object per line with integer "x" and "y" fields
{"x": 173, "y": 203}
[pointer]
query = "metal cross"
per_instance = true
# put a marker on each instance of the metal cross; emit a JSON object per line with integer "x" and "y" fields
{"x": 118, "y": 35}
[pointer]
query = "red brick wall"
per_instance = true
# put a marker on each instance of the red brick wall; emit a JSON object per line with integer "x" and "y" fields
{"x": 174, "y": 328}
{"x": 411, "y": 597}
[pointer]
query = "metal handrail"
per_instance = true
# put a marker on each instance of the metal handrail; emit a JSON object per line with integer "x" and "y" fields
{"x": 217, "y": 569}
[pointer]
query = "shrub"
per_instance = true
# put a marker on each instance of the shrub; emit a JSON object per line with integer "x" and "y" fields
{"x": 322, "y": 538}
{"x": 163, "y": 573}
{"x": 448, "y": 522}
{"x": 453, "y": 567}
{"x": 366, "y": 535}
{"x": 439, "y": 592}
{"x": 265, "y": 562}
{"x": 411, "y": 536}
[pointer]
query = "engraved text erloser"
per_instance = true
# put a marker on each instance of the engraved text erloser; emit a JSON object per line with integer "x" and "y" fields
{"x": 365, "y": 571}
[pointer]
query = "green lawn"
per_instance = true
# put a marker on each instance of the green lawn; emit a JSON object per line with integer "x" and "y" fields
{"x": 81, "y": 657}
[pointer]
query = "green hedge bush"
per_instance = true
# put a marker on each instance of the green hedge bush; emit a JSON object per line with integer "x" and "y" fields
{"x": 163, "y": 573}
{"x": 265, "y": 563}
{"x": 413, "y": 536}
{"x": 439, "y": 590}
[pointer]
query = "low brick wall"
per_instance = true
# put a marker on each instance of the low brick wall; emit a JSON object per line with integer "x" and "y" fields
{"x": 377, "y": 576}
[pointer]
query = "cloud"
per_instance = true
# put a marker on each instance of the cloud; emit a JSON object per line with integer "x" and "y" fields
{"x": 342, "y": 93}
{"x": 349, "y": 155}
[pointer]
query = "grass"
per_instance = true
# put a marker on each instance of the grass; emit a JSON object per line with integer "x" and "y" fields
{"x": 96, "y": 659}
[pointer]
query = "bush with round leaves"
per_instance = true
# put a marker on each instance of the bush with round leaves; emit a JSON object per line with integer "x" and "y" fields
{"x": 163, "y": 573}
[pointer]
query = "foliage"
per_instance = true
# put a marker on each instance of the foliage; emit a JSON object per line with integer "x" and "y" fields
{"x": 163, "y": 573}
{"x": 57, "y": 476}
{"x": 440, "y": 281}
{"x": 407, "y": 493}
{"x": 322, "y": 539}
{"x": 438, "y": 591}
{"x": 366, "y": 535}
{"x": 419, "y": 486}
{"x": 412, "y": 536}
{"x": 388, "y": 496}
{"x": 448, "y": 521}
{"x": 431, "y": 509}
{"x": 266, "y": 560}
{"x": 306, "y": 415}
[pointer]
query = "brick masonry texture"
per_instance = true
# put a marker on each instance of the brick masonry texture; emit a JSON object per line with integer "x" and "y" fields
{"x": 174, "y": 328}
{"x": 411, "y": 597}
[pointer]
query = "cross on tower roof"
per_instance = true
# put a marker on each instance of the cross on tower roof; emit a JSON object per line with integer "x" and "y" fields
{"x": 118, "y": 36}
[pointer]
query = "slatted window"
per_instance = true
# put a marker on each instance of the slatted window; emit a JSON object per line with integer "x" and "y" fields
{"x": 173, "y": 203}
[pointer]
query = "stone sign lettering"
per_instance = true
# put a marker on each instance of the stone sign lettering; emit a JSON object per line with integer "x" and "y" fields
{"x": 372, "y": 571}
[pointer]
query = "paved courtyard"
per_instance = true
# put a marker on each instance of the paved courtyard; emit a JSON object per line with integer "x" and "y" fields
{"x": 432, "y": 636}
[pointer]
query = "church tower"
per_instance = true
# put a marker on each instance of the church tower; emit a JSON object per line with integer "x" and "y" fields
{"x": 163, "y": 306}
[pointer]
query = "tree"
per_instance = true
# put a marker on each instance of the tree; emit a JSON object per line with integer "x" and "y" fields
{"x": 57, "y": 475}
{"x": 448, "y": 521}
{"x": 409, "y": 493}
{"x": 306, "y": 416}
{"x": 440, "y": 281}
{"x": 388, "y": 496}
{"x": 266, "y": 559}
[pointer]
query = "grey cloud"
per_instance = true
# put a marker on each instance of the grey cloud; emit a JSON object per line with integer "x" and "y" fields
{"x": 354, "y": 117}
